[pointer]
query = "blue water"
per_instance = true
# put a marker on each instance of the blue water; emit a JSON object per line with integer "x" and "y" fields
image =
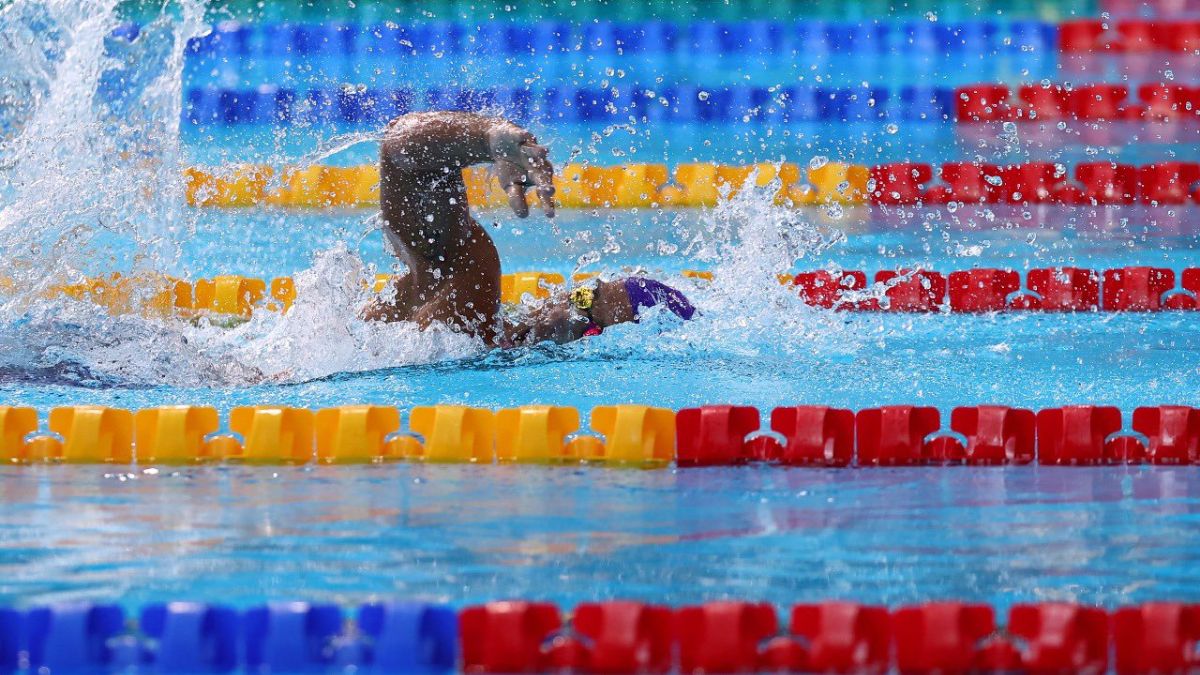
{"x": 467, "y": 534}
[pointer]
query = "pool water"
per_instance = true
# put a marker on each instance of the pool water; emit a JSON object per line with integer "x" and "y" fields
{"x": 110, "y": 198}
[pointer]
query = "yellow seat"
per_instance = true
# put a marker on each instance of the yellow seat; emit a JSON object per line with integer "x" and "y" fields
{"x": 229, "y": 294}
{"x": 174, "y": 434}
{"x": 355, "y": 433}
{"x": 15, "y": 423}
{"x": 635, "y": 434}
{"x": 840, "y": 183}
{"x": 695, "y": 185}
{"x": 272, "y": 435}
{"x": 514, "y": 286}
{"x": 454, "y": 433}
{"x": 283, "y": 291}
{"x": 535, "y": 433}
{"x": 91, "y": 434}
{"x": 698, "y": 274}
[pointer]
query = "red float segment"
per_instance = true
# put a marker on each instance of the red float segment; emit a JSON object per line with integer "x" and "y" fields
{"x": 816, "y": 435}
{"x": 1077, "y": 435}
{"x": 982, "y": 290}
{"x": 714, "y": 435}
{"x": 1108, "y": 183}
{"x": 1065, "y": 289}
{"x": 996, "y": 434}
{"x": 982, "y": 103}
{"x": 900, "y": 183}
{"x": 623, "y": 637}
{"x": 1084, "y": 35}
{"x": 825, "y": 288}
{"x": 507, "y": 637}
{"x": 1168, "y": 182}
{"x": 913, "y": 290}
{"x": 843, "y": 637}
{"x": 1158, "y": 637}
{"x": 966, "y": 183}
{"x": 895, "y": 435}
{"x": 1103, "y": 102}
{"x": 1173, "y": 432}
{"x": 1169, "y": 101}
{"x": 723, "y": 637}
{"x": 1183, "y": 36}
{"x": 1061, "y": 637}
{"x": 940, "y": 637}
{"x": 1044, "y": 102}
{"x": 1136, "y": 289}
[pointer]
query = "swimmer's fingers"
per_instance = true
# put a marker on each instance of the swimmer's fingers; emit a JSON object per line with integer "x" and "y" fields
{"x": 537, "y": 163}
{"x": 513, "y": 180}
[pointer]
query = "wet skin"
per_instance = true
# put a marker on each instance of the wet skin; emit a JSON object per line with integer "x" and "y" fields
{"x": 453, "y": 268}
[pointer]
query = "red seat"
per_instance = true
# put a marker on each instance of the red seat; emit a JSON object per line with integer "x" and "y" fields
{"x": 895, "y": 435}
{"x": 1136, "y": 289}
{"x": 983, "y": 290}
{"x": 1168, "y": 182}
{"x": 723, "y": 637}
{"x": 982, "y": 103}
{"x": 1085, "y": 35}
{"x": 1065, "y": 289}
{"x": 624, "y": 637}
{"x": 1108, "y": 183}
{"x": 825, "y": 288}
{"x": 815, "y": 435}
{"x": 1173, "y": 432}
{"x": 843, "y": 637}
{"x": 996, "y": 434}
{"x": 940, "y": 637}
{"x": 1061, "y": 637}
{"x": 1076, "y": 434}
{"x": 506, "y": 637}
{"x": 1044, "y": 102}
{"x": 913, "y": 290}
{"x": 714, "y": 435}
{"x": 901, "y": 183}
{"x": 1157, "y": 637}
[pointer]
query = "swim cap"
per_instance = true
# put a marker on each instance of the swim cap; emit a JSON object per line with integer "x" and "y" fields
{"x": 645, "y": 292}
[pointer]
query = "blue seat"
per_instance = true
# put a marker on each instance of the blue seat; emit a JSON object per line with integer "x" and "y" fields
{"x": 72, "y": 638}
{"x": 187, "y": 637}
{"x": 290, "y": 637}
{"x": 410, "y": 637}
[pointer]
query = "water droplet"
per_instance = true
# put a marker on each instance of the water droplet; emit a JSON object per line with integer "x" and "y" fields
{"x": 891, "y": 128}
{"x": 702, "y": 95}
{"x": 817, "y": 162}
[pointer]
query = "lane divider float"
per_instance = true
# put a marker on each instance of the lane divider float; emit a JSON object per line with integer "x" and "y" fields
{"x": 613, "y": 637}
{"x": 621, "y": 435}
{"x": 703, "y": 185}
{"x": 982, "y": 290}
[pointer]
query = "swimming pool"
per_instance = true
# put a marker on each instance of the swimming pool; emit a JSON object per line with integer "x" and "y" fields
{"x": 97, "y": 188}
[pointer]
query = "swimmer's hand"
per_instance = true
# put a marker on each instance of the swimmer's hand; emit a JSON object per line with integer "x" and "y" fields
{"x": 520, "y": 164}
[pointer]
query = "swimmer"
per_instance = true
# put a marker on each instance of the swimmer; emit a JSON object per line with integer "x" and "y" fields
{"x": 453, "y": 268}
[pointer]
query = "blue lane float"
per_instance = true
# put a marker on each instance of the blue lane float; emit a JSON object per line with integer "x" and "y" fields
{"x": 269, "y": 104}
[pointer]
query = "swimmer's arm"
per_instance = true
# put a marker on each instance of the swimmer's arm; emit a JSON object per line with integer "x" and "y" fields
{"x": 554, "y": 323}
{"x": 450, "y": 141}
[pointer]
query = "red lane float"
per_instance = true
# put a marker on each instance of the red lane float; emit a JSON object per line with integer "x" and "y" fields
{"x": 1057, "y": 289}
{"x": 1093, "y": 183}
{"x": 1084, "y": 36}
{"x": 976, "y": 103}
